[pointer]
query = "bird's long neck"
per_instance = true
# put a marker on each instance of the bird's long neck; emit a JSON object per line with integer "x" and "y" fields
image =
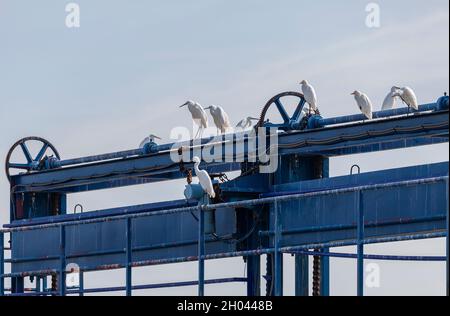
{"x": 196, "y": 167}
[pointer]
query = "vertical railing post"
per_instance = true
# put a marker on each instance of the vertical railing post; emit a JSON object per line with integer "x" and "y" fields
{"x": 278, "y": 267}
{"x": 448, "y": 240}
{"x": 325, "y": 273}
{"x": 2, "y": 264}
{"x": 44, "y": 284}
{"x": 81, "y": 283}
{"x": 129, "y": 258}
{"x": 37, "y": 288}
{"x": 201, "y": 252}
{"x": 62, "y": 260}
{"x": 360, "y": 244}
{"x": 301, "y": 275}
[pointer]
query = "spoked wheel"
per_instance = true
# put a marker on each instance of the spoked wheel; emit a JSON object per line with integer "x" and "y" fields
{"x": 288, "y": 121}
{"x": 24, "y": 160}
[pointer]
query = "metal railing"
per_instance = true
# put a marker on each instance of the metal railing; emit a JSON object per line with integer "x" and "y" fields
{"x": 276, "y": 250}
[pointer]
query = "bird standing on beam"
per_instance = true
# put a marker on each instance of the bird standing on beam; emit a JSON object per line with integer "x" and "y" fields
{"x": 246, "y": 123}
{"x": 310, "y": 95}
{"x": 220, "y": 117}
{"x": 408, "y": 96}
{"x": 364, "y": 103}
{"x": 199, "y": 116}
{"x": 389, "y": 101}
{"x": 204, "y": 178}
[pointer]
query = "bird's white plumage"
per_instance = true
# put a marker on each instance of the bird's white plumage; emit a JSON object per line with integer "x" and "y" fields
{"x": 364, "y": 103}
{"x": 246, "y": 123}
{"x": 408, "y": 96}
{"x": 310, "y": 94}
{"x": 204, "y": 178}
{"x": 389, "y": 101}
{"x": 199, "y": 116}
{"x": 220, "y": 117}
{"x": 149, "y": 139}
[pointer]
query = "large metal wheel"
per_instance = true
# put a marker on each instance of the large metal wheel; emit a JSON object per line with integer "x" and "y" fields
{"x": 29, "y": 163}
{"x": 288, "y": 121}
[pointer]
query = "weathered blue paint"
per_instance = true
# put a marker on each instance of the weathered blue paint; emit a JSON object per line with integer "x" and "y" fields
{"x": 62, "y": 261}
{"x": 278, "y": 256}
{"x": 310, "y": 213}
{"x": 2, "y": 263}
{"x": 360, "y": 246}
{"x": 372, "y": 257}
{"x": 201, "y": 252}
{"x": 129, "y": 256}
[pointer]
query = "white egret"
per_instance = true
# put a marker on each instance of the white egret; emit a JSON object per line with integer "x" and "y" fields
{"x": 364, "y": 103}
{"x": 310, "y": 95}
{"x": 246, "y": 123}
{"x": 408, "y": 96}
{"x": 198, "y": 116}
{"x": 149, "y": 139}
{"x": 220, "y": 117}
{"x": 204, "y": 178}
{"x": 389, "y": 101}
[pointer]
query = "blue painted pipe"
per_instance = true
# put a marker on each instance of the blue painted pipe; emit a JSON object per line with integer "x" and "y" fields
{"x": 2, "y": 264}
{"x": 315, "y": 122}
{"x": 372, "y": 257}
{"x": 322, "y": 122}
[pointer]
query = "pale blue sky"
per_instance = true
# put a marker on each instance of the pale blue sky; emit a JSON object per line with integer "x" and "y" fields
{"x": 106, "y": 85}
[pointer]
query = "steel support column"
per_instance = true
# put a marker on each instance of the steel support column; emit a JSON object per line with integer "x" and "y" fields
{"x": 448, "y": 240}
{"x": 301, "y": 275}
{"x": 62, "y": 261}
{"x": 278, "y": 256}
{"x": 201, "y": 252}
{"x": 129, "y": 258}
{"x": 2, "y": 263}
{"x": 360, "y": 245}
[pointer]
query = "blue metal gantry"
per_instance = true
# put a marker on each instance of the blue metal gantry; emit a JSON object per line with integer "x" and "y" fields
{"x": 297, "y": 210}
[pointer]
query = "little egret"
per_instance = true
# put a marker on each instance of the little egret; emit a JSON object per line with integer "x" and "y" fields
{"x": 220, "y": 118}
{"x": 364, "y": 103}
{"x": 389, "y": 101}
{"x": 246, "y": 123}
{"x": 204, "y": 178}
{"x": 408, "y": 96}
{"x": 310, "y": 95}
{"x": 198, "y": 115}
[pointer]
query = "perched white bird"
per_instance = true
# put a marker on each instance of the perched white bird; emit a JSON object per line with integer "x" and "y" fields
{"x": 150, "y": 139}
{"x": 364, "y": 103}
{"x": 408, "y": 96}
{"x": 204, "y": 178}
{"x": 198, "y": 115}
{"x": 310, "y": 95}
{"x": 246, "y": 123}
{"x": 389, "y": 101}
{"x": 220, "y": 118}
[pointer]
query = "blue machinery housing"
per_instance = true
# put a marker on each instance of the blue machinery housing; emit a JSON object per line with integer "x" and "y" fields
{"x": 297, "y": 210}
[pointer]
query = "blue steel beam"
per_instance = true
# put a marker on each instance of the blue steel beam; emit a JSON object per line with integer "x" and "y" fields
{"x": 385, "y": 134}
{"x": 83, "y": 229}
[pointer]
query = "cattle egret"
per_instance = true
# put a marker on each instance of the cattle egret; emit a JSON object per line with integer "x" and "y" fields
{"x": 220, "y": 118}
{"x": 389, "y": 101}
{"x": 204, "y": 178}
{"x": 310, "y": 95}
{"x": 150, "y": 139}
{"x": 408, "y": 96}
{"x": 198, "y": 116}
{"x": 246, "y": 123}
{"x": 364, "y": 103}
